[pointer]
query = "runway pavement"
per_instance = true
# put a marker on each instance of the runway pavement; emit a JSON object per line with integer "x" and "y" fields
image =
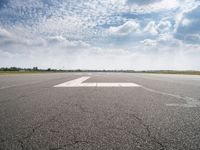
{"x": 99, "y": 111}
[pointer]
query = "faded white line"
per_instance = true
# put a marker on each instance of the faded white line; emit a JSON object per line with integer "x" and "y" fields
{"x": 78, "y": 83}
{"x": 190, "y": 102}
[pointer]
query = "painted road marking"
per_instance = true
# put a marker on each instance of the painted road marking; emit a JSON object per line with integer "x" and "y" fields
{"x": 72, "y": 83}
{"x": 190, "y": 102}
{"x": 79, "y": 83}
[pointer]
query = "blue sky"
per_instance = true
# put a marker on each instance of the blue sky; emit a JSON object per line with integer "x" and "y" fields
{"x": 100, "y": 34}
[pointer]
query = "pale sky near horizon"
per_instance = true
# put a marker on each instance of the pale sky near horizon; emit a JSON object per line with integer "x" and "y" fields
{"x": 100, "y": 34}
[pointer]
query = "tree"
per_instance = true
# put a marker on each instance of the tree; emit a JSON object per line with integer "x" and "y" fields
{"x": 35, "y": 68}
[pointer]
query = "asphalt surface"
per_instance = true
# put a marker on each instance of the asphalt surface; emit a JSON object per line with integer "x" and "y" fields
{"x": 163, "y": 113}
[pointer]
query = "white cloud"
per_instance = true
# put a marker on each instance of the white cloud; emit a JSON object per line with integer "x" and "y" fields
{"x": 143, "y": 2}
{"x": 186, "y": 22}
{"x": 185, "y": 6}
{"x": 160, "y": 27}
{"x": 151, "y": 28}
{"x": 133, "y": 28}
{"x": 187, "y": 27}
{"x": 155, "y": 6}
{"x": 80, "y": 55}
{"x": 11, "y": 38}
{"x": 4, "y": 33}
{"x": 130, "y": 27}
{"x": 164, "y": 26}
{"x": 149, "y": 42}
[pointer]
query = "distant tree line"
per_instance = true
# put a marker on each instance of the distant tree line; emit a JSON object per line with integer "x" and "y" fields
{"x": 36, "y": 69}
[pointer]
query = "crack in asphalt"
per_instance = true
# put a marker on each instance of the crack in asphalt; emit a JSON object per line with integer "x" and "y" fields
{"x": 146, "y": 127}
{"x": 31, "y": 132}
{"x": 83, "y": 109}
{"x": 74, "y": 143}
{"x": 149, "y": 134}
{"x": 29, "y": 135}
{"x": 34, "y": 129}
{"x": 22, "y": 141}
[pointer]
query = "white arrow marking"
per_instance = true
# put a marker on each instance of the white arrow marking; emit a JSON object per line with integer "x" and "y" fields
{"x": 78, "y": 83}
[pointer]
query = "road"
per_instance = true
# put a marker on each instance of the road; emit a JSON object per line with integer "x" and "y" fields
{"x": 162, "y": 112}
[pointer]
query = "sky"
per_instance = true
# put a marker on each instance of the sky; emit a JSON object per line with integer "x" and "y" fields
{"x": 100, "y": 34}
